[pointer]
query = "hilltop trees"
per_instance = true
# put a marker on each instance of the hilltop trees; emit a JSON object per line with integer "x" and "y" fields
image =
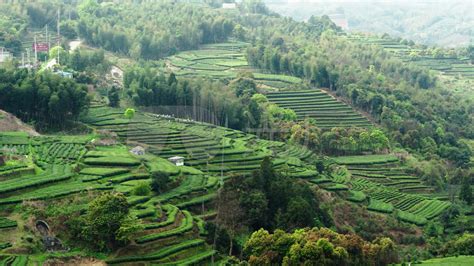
{"x": 197, "y": 99}
{"x": 45, "y": 98}
{"x": 158, "y": 30}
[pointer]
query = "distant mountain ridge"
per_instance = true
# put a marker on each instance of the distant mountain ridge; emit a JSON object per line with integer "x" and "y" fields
{"x": 439, "y": 23}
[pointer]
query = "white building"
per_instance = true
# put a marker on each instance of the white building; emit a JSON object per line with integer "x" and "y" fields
{"x": 177, "y": 160}
{"x": 138, "y": 150}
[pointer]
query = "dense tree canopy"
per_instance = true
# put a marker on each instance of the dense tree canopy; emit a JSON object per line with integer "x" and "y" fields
{"x": 404, "y": 98}
{"x": 269, "y": 199}
{"x": 158, "y": 27}
{"x": 46, "y": 98}
{"x": 317, "y": 247}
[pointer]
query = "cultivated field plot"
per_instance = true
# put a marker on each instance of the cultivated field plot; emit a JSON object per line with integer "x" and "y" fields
{"x": 223, "y": 61}
{"x": 206, "y": 148}
{"x": 391, "y": 188}
{"x": 451, "y": 66}
{"x": 326, "y": 110}
{"x": 174, "y": 220}
{"x": 40, "y": 168}
{"x": 54, "y": 168}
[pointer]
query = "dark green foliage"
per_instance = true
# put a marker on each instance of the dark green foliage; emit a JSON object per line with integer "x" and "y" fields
{"x": 160, "y": 181}
{"x": 320, "y": 166}
{"x": 272, "y": 200}
{"x": 113, "y": 96}
{"x": 449, "y": 216}
{"x": 68, "y": 29}
{"x": 158, "y": 31}
{"x": 103, "y": 219}
{"x": 91, "y": 61}
{"x": 142, "y": 189}
{"x": 243, "y": 87}
{"x": 200, "y": 99}
{"x": 5, "y": 245}
{"x": 463, "y": 245}
{"x": 107, "y": 222}
{"x": 45, "y": 98}
{"x": 466, "y": 191}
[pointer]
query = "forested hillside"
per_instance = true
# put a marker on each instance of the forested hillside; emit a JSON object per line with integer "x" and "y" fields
{"x": 197, "y": 133}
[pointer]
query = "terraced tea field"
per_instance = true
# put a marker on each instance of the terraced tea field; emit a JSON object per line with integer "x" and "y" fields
{"x": 326, "y": 110}
{"x": 52, "y": 168}
{"x": 389, "y": 187}
{"x": 223, "y": 61}
{"x": 451, "y": 66}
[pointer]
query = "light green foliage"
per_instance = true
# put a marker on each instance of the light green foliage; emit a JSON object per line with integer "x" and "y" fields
{"x": 368, "y": 159}
{"x": 316, "y": 245}
{"x": 107, "y": 221}
{"x": 54, "y": 51}
{"x": 376, "y": 205}
{"x": 129, "y": 113}
{"x": 142, "y": 189}
{"x": 104, "y": 171}
{"x": 259, "y": 98}
{"x": 411, "y": 218}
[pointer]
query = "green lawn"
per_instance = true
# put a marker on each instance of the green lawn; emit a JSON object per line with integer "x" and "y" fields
{"x": 451, "y": 261}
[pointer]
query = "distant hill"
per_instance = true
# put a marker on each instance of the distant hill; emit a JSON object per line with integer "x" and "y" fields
{"x": 434, "y": 22}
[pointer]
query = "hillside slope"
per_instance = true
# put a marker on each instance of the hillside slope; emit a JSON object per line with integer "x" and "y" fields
{"x": 9, "y": 122}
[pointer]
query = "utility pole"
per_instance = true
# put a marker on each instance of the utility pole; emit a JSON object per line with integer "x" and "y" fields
{"x": 36, "y": 52}
{"x": 59, "y": 34}
{"x": 47, "y": 36}
{"x": 28, "y": 55}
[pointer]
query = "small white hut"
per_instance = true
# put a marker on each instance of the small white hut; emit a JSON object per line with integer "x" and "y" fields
{"x": 177, "y": 160}
{"x": 138, "y": 150}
